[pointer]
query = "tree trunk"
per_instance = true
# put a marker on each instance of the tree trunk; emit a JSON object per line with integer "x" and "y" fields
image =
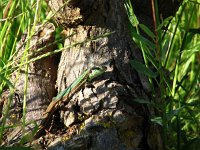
{"x": 41, "y": 79}
{"x": 104, "y": 115}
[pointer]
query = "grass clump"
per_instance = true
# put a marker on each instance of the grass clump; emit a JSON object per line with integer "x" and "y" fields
{"x": 174, "y": 54}
{"x": 16, "y": 18}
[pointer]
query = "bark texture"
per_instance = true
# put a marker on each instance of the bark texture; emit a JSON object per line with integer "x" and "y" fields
{"x": 102, "y": 116}
{"x": 41, "y": 78}
{"x": 105, "y": 115}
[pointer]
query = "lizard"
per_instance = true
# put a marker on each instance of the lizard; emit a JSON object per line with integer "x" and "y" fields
{"x": 67, "y": 94}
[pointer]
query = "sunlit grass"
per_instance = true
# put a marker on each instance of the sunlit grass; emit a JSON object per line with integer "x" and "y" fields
{"x": 178, "y": 70}
{"x": 16, "y": 17}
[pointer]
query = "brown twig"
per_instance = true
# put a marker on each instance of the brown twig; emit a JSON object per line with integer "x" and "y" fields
{"x": 5, "y": 14}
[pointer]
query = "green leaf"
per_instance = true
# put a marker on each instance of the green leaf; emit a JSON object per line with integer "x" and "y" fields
{"x": 157, "y": 120}
{"x": 142, "y": 69}
{"x": 164, "y": 23}
{"x": 173, "y": 113}
{"x": 147, "y": 31}
{"x": 143, "y": 101}
{"x": 137, "y": 38}
{"x": 131, "y": 15}
{"x": 189, "y": 36}
{"x": 6, "y": 81}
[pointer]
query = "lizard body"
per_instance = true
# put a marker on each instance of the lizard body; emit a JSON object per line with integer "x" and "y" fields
{"x": 66, "y": 95}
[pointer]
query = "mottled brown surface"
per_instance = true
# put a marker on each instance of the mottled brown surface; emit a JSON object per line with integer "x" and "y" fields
{"x": 106, "y": 116}
{"x": 41, "y": 74}
{"x": 103, "y": 115}
{"x": 41, "y": 77}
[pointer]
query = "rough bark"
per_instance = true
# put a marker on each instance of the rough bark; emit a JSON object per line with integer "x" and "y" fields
{"x": 109, "y": 117}
{"x": 104, "y": 116}
{"x": 41, "y": 78}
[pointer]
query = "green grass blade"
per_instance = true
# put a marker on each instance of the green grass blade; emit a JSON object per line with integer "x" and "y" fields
{"x": 142, "y": 69}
